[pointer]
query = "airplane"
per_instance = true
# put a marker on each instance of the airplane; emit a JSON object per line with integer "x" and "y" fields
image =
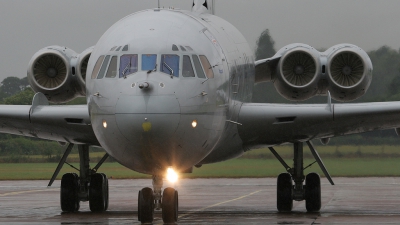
{"x": 168, "y": 90}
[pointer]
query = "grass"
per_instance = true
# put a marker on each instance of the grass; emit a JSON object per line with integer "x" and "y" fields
{"x": 235, "y": 168}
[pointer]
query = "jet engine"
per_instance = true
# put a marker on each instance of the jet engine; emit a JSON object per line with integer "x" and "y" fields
{"x": 300, "y": 72}
{"x": 349, "y": 72}
{"x": 59, "y": 73}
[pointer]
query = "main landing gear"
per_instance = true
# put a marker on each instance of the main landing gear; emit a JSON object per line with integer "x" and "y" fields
{"x": 149, "y": 200}
{"x": 88, "y": 186}
{"x": 310, "y": 191}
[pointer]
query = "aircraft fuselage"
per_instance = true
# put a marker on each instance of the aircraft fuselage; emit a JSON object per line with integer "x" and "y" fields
{"x": 164, "y": 88}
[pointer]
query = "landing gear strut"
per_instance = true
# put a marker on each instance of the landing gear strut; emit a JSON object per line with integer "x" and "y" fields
{"x": 149, "y": 200}
{"x": 88, "y": 186}
{"x": 310, "y": 192}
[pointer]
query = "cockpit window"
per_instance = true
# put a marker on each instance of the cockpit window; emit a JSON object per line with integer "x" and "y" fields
{"x": 187, "y": 68}
{"x": 206, "y": 66}
{"x": 97, "y": 67}
{"x": 170, "y": 64}
{"x": 104, "y": 67}
{"x": 112, "y": 68}
{"x": 149, "y": 61}
{"x": 128, "y": 64}
{"x": 197, "y": 65}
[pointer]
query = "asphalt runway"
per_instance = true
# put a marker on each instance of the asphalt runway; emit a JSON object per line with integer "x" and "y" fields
{"x": 211, "y": 201}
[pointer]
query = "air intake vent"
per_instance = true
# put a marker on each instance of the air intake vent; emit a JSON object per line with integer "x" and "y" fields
{"x": 299, "y": 68}
{"x": 50, "y": 71}
{"x": 347, "y": 69}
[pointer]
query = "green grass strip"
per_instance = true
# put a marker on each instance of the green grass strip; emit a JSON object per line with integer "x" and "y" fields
{"x": 236, "y": 168}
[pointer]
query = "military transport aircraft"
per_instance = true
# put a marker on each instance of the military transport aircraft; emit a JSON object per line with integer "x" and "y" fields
{"x": 170, "y": 89}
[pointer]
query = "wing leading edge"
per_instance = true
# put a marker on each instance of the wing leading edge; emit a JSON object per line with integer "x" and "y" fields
{"x": 63, "y": 123}
{"x": 273, "y": 124}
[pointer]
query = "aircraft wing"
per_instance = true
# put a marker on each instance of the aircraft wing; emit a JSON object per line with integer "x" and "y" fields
{"x": 63, "y": 123}
{"x": 271, "y": 124}
{"x": 264, "y": 68}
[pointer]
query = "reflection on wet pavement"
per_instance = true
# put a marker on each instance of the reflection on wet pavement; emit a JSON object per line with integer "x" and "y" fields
{"x": 210, "y": 201}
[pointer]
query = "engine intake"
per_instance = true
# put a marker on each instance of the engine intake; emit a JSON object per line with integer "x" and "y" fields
{"x": 350, "y": 72}
{"x": 52, "y": 71}
{"x": 298, "y": 71}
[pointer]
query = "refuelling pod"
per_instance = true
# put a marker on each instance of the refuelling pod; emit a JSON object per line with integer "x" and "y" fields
{"x": 349, "y": 72}
{"x": 51, "y": 71}
{"x": 298, "y": 72}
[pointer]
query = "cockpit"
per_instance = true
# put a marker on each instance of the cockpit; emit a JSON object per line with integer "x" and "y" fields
{"x": 180, "y": 62}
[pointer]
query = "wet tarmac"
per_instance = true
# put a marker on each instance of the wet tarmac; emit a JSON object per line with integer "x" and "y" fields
{"x": 211, "y": 201}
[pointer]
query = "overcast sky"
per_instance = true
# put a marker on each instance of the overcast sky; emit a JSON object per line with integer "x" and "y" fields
{"x": 27, "y": 26}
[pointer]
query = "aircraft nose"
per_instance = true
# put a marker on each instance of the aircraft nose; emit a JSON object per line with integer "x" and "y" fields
{"x": 155, "y": 117}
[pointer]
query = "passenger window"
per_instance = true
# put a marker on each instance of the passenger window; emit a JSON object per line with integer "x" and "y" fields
{"x": 149, "y": 62}
{"x": 128, "y": 64}
{"x": 207, "y": 67}
{"x": 187, "y": 70}
{"x": 104, "y": 67}
{"x": 97, "y": 67}
{"x": 170, "y": 64}
{"x": 112, "y": 68}
{"x": 197, "y": 66}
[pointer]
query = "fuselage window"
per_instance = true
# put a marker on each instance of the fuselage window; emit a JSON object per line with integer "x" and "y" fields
{"x": 170, "y": 64}
{"x": 182, "y": 48}
{"x": 207, "y": 66}
{"x": 187, "y": 70}
{"x": 149, "y": 61}
{"x": 128, "y": 64}
{"x": 112, "y": 68}
{"x": 97, "y": 67}
{"x": 104, "y": 67}
{"x": 197, "y": 66}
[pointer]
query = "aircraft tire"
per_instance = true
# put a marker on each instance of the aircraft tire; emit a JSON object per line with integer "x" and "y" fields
{"x": 284, "y": 193}
{"x": 313, "y": 192}
{"x": 69, "y": 192}
{"x": 170, "y": 205}
{"x": 98, "y": 193}
{"x": 146, "y": 205}
{"x": 106, "y": 190}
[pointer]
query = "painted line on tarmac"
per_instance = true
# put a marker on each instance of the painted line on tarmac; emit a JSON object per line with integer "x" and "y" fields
{"x": 221, "y": 203}
{"x": 24, "y": 192}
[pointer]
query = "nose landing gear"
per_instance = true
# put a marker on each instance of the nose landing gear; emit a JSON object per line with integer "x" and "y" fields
{"x": 149, "y": 200}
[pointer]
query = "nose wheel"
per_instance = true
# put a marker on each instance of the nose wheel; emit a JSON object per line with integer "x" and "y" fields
{"x": 150, "y": 200}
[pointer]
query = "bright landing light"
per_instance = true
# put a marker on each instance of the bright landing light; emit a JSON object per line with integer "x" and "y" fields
{"x": 172, "y": 176}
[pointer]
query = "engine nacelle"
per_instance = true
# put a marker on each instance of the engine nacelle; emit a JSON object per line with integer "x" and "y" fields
{"x": 298, "y": 72}
{"x": 344, "y": 70}
{"x": 349, "y": 72}
{"x": 82, "y": 63}
{"x": 53, "y": 72}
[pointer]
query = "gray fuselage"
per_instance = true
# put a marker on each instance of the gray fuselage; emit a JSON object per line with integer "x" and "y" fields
{"x": 149, "y": 112}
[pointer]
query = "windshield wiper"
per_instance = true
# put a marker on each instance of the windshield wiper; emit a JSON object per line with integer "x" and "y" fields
{"x": 126, "y": 69}
{"x": 169, "y": 68}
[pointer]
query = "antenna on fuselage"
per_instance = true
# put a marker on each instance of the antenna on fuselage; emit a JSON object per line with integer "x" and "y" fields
{"x": 158, "y": 3}
{"x": 204, "y": 6}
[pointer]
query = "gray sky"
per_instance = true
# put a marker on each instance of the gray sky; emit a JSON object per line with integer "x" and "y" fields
{"x": 27, "y": 26}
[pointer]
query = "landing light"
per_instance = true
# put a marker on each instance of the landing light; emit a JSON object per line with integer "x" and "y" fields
{"x": 172, "y": 176}
{"x": 104, "y": 124}
{"x": 194, "y": 123}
